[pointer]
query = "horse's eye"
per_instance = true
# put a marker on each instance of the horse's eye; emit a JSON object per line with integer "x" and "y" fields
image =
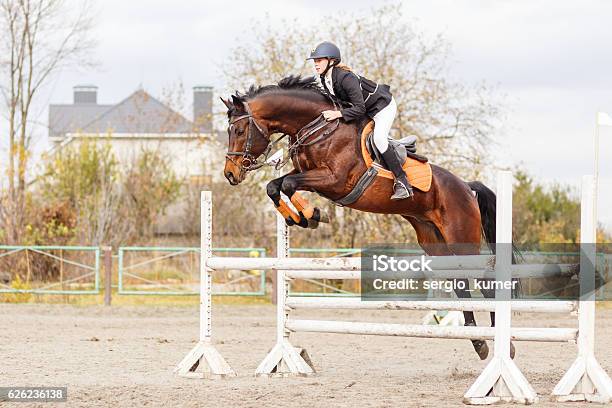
{"x": 240, "y": 131}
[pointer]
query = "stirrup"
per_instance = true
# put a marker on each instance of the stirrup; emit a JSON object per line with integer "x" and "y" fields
{"x": 401, "y": 191}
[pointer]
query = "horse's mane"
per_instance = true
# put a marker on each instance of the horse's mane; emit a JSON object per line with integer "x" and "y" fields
{"x": 307, "y": 87}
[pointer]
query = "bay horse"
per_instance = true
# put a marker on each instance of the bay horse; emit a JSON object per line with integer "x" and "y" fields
{"x": 449, "y": 219}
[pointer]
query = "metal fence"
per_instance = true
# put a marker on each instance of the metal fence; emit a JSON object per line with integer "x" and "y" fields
{"x": 58, "y": 270}
{"x": 175, "y": 271}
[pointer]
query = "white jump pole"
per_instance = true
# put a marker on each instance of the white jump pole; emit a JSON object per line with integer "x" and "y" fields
{"x": 548, "y": 334}
{"x": 534, "y": 306}
{"x": 502, "y": 380}
{"x": 586, "y": 380}
{"x": 204, "y": 354}
{"x": 283, "y": 359}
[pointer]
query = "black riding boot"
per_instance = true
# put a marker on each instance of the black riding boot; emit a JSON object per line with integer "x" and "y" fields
{"x": 401, "y": 187}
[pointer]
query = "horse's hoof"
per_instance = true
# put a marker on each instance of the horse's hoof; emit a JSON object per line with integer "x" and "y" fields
{"x": 313, "y": 224}
{"x": 482, "y": 349}
{"x": 289, "y": 221}
{"x": 512, "y": 351}
{"x": 303, "y": 221}
{"x": 320, "y": 216}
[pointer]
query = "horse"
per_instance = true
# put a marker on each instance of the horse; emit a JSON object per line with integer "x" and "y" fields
{"x": 449, "y": 219}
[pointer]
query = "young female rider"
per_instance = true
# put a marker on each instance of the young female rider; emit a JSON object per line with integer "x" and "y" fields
{"x": 361, "y": 97}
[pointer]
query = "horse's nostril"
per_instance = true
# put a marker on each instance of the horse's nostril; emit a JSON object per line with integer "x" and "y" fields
{"x": 230, "y": 177}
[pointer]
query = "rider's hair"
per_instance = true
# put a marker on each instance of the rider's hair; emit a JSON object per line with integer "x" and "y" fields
{"x": 344, "y": 67}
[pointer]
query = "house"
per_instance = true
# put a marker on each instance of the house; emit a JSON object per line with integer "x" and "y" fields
{"x": 142, "y": 122}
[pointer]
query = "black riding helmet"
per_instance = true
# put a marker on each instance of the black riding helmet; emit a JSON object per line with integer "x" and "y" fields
{"x": 326, "y": 50}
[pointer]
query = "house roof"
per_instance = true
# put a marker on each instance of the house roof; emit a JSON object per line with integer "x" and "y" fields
{"x": 138, "y": 113}
{"x": 69, "y": 118}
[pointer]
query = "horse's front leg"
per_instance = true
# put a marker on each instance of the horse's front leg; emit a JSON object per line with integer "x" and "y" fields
{"x": 273, "y": 189}
{"x": 311, "y": 180}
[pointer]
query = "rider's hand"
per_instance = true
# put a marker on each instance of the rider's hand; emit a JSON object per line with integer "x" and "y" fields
{"x": 331, "y": 114}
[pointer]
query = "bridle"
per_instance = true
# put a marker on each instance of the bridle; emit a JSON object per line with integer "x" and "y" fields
{"x": 250, "y": 162}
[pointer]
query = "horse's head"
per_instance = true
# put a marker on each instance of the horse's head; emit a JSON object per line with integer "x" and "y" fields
{"x": 248, "y": 140}
{"x": 282, "y": 108}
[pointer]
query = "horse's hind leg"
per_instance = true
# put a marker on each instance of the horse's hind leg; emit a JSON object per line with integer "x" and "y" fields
{"x": 429, "y": 237}
{"x": 433, "y": 243}
{"x": 490, "y": 293}
{"x": 462, "y": 230}
{"x": 480, "y": 346}
{"x": 462, "y": 233}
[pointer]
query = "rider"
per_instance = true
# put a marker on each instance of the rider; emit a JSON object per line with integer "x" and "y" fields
{"x": 363, "y": 98}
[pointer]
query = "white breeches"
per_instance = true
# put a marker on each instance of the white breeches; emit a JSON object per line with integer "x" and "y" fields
{"x": 383, "y": 121}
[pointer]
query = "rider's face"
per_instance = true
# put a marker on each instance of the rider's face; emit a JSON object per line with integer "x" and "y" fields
{"x": 320, "y": 64}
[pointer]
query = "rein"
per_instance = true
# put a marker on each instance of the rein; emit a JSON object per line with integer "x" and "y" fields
{"x": 250, "y": 162}
{"x": 304, "y": 133}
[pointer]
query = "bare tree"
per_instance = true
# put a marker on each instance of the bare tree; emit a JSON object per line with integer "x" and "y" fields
{"x": 38, "y": 38}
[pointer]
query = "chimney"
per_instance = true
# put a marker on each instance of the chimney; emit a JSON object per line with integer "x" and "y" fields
{"x": 85, "y": 94}
{"x": 202, "y": 108}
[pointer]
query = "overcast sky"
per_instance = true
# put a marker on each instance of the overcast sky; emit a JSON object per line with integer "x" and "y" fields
{"x": 552, "y": 60}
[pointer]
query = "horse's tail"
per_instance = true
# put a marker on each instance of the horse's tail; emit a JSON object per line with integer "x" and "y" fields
{"x": 487, "y": 205}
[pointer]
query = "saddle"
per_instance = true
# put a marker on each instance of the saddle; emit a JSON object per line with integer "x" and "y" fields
{"x": 405, "y": 147}
{"x": 415, "y": 166}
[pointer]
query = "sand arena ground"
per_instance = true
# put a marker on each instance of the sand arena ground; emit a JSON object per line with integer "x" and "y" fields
{"x": 125, "y": 356}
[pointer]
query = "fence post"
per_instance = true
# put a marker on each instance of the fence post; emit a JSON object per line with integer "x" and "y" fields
{"x": 108, "y": 274}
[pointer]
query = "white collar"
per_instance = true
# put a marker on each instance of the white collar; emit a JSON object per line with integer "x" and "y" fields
{"x": 329, "y": 82}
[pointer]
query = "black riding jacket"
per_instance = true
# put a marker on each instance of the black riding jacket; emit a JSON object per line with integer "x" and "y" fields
{"x": 357, "y": 95}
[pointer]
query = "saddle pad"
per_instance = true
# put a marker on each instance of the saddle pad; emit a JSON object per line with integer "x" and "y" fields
{"x": 418, "y": 173}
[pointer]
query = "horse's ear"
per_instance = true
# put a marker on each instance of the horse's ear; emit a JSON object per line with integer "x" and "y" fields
{"x": 237, "y": 102}
{"x": 227, "y": 103}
